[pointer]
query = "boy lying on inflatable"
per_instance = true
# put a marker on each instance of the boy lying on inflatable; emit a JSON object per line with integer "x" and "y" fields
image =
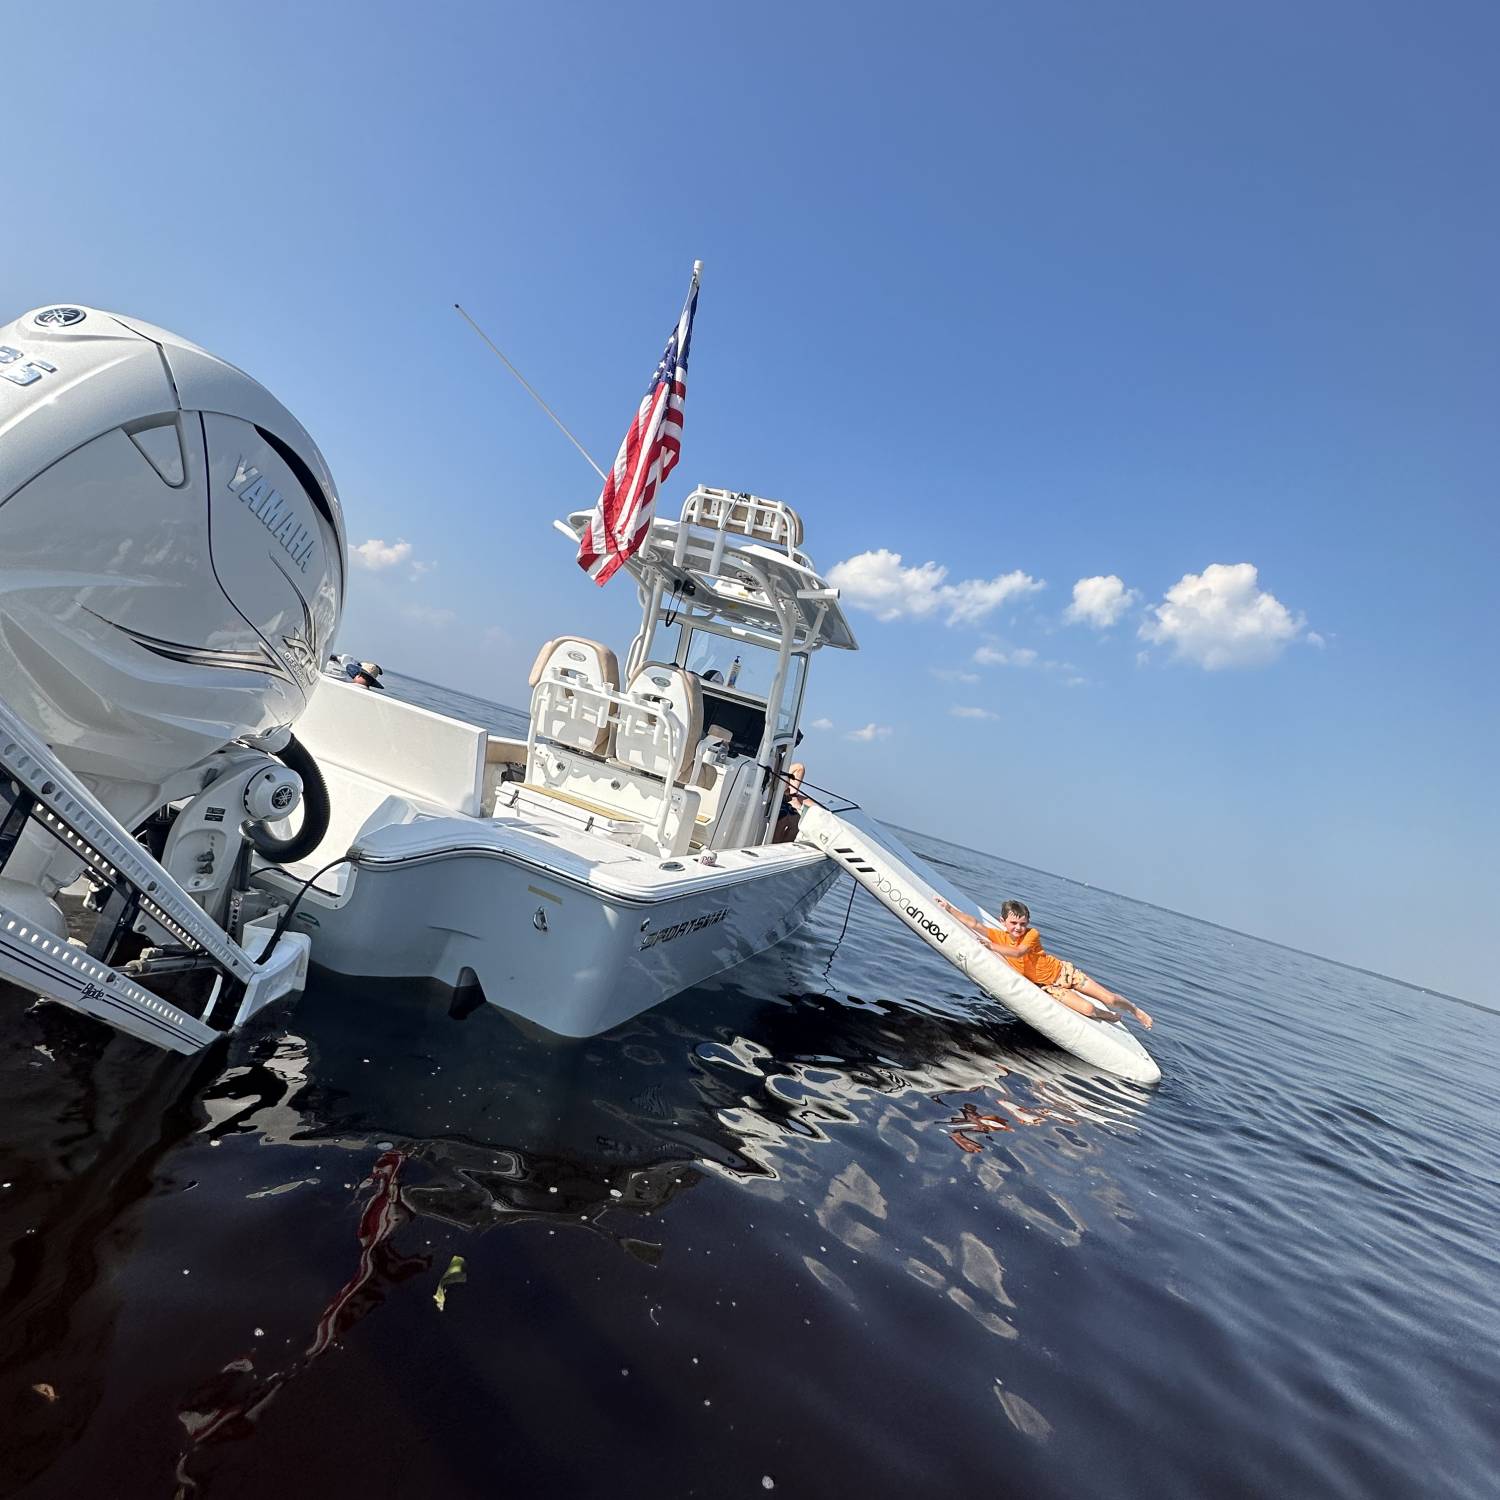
{"x": 1020, "y": 945}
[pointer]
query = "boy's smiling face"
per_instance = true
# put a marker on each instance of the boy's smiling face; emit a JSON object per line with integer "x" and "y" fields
{"x": 1015, "y": 925}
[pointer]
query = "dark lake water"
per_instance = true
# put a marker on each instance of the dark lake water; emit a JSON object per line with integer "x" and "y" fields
{"x": 828, "y": 1226}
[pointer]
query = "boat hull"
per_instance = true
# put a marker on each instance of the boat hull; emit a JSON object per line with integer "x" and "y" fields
{"x": 560, "y": 953}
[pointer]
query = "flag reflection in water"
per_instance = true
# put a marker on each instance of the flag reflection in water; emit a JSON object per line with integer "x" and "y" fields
{"x": 226, "y": 1408}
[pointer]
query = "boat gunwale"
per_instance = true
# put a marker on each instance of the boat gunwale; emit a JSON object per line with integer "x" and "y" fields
{"x": 705, "y": 878}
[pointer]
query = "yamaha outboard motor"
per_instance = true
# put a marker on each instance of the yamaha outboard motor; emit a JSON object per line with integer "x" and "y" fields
{"x": 172, "y": 551}
{"x": 172, "y": 562}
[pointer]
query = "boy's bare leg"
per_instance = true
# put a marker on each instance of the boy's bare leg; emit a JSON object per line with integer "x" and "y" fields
{"x": 1071, "y": 1000}
{"x": 1096, "y": 991}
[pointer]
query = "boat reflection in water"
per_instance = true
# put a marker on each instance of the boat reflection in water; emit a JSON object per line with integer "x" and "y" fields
{"x": 509, "y": 1127}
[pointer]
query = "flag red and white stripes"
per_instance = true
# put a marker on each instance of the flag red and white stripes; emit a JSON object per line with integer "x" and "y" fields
{"x": 652, "y": 446}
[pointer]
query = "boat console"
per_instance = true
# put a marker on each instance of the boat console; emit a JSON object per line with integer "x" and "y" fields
{"x": 731, "y": 611}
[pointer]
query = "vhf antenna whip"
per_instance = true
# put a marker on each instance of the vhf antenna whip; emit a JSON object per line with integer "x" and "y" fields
{"x": 562, "y": 426}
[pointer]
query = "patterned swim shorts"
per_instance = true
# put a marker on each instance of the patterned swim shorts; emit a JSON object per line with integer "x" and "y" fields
{"x": 1070, "y": 977}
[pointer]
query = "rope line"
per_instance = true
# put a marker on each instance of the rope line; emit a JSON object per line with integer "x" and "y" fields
{"x": 838, "y": 942}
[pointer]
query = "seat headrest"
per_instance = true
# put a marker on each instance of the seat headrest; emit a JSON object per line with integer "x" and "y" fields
{"x": 575, "y": 657}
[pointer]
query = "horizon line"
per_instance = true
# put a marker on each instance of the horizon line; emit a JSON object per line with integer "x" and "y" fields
{"x": 1353, "y": 968}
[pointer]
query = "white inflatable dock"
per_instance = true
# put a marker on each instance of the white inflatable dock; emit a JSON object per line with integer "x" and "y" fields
{"x": 905, "y": 894}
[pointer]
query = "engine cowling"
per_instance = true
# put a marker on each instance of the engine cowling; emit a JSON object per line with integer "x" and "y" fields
{"x": 172, "y": 550}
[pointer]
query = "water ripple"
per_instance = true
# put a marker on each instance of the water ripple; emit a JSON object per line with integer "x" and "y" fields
{"x": 833, "y": 1218}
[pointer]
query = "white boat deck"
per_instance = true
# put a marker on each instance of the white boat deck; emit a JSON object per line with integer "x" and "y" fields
{"x": 572, "y": 853}
{"x": 407, "y": 784}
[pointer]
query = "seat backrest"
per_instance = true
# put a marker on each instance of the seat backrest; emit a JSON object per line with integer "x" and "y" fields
{"x": 579, "y": 721}
{"x": 576, "y": 716}
{"x": 573, "y": 658}
{"x": 641, "y": 742}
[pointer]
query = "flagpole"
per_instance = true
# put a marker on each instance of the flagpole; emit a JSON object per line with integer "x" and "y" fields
{"x": 697, "y": 281}
{"x": 562, "y": 427}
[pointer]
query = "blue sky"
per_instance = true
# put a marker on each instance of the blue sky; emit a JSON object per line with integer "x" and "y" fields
{"x": 1028, "y": 293}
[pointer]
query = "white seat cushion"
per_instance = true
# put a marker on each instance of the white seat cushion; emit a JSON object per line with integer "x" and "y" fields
{"x": 670, "y": 695}
{"x": 579, "y": 721}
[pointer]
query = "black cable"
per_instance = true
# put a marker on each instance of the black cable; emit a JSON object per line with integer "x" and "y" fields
{"x": 847, "y": 806}
{"x": 844, "y": 803}
{"x": 833, "y": 952}
{"x": 296, "y": 901}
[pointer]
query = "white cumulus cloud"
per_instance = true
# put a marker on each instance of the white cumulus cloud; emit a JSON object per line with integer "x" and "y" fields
{"x": 377, "y": 554}
{"x": 1221, "y": 617}
{"x": 821, "y": 724}
{"x": 1099, "y": 602}
{"x": 963, "y": 711}
{"x": 878, "y": 581}
{"x": 870, "y": 732}
{"x": 974, "y": 598}
{"x": 953, "y": 674}
{"x": 998, "y": 656}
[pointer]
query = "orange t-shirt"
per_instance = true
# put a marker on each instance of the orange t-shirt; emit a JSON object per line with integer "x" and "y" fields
{"x": 1035, "y": 963}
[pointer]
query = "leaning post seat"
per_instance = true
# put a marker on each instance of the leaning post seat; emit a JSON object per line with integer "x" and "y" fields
{"x": 663, "y": 741}
{"x": 580, "y": 721}
{"x": 571, "y": 657}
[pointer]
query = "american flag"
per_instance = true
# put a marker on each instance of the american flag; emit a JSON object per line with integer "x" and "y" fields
{"x": 652, "y": 446}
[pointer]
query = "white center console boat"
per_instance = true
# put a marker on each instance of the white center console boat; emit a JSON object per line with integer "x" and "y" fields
{"x": 625, "y": 850}
{"x": 172, "y": 571}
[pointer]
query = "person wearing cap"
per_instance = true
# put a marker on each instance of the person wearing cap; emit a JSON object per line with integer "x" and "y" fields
{"x": 364, "y": 674}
